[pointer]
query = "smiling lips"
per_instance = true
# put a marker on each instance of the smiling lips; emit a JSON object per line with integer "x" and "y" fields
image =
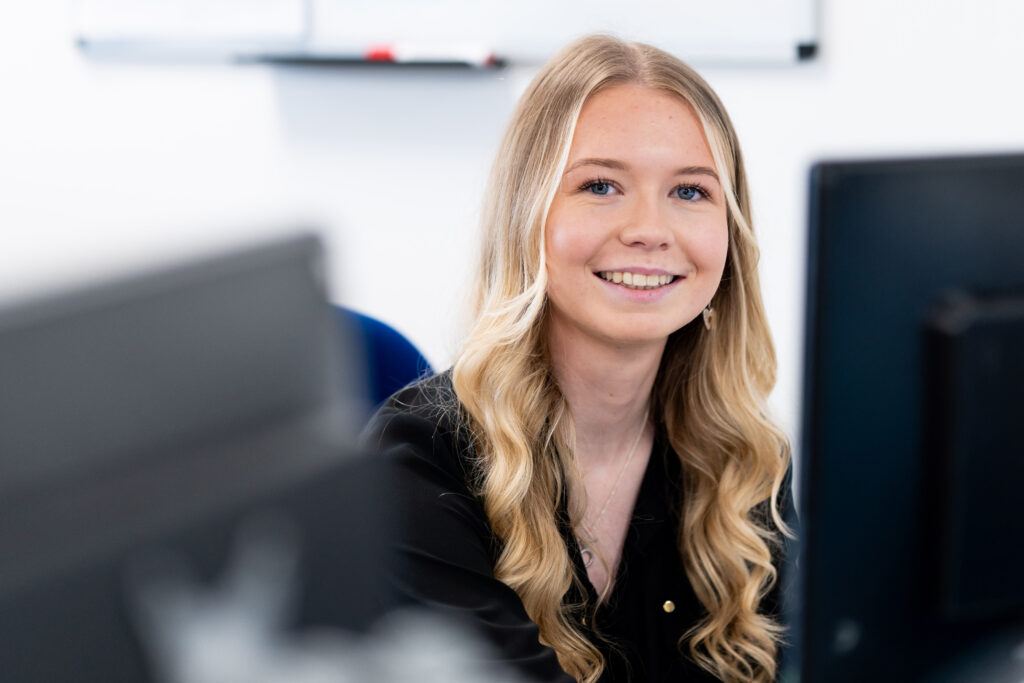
{"x": 636, "y": 280}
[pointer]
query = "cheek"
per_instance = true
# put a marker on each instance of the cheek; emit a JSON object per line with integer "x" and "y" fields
{"x": 713, "y": 247}
{"x": 557, "y": 240}
{"x": 566, "y": 243}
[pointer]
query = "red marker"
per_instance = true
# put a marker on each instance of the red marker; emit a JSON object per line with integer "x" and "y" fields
{"x": 473, "y": 55}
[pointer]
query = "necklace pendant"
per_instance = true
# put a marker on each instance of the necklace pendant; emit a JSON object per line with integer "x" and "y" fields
{"x": 586, "y": 553}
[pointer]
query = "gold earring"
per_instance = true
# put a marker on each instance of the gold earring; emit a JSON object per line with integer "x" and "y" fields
{"x": 709, "y": 317}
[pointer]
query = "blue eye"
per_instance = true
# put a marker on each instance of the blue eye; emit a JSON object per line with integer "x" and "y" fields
{"x": 689, "y": 192}
{"x": 599, "y": 187}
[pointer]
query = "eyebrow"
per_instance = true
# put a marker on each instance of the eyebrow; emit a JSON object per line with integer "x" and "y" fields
{"x": 618, "y": 165}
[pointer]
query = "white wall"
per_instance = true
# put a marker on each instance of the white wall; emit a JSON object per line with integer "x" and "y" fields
{"x": 108, "y": 166}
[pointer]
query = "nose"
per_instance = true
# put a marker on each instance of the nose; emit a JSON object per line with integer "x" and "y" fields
{"x": 646, "y": 226}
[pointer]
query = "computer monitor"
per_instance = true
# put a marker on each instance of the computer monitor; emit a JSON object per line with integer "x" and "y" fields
{"x": 177, "y": 452}
{"x": 912, "y": 445}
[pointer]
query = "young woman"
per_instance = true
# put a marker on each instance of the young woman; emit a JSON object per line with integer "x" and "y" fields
{"x": 595, "y": 483}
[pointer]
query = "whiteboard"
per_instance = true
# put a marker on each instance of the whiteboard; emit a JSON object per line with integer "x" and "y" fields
{"x": 458, "y": 31}
{"x": 532, "y": 31}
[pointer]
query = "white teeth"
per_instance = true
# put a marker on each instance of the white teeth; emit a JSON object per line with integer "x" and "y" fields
{"x": 636, "y": 280}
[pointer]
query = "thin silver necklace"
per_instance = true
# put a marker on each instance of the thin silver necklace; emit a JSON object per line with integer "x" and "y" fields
{"x": 585, "y": 552}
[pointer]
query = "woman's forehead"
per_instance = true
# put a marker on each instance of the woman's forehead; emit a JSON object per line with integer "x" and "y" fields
{"x": 634, "y": 123}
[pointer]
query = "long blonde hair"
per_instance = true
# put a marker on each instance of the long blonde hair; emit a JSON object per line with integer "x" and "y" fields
{"x": 709, "y": 393}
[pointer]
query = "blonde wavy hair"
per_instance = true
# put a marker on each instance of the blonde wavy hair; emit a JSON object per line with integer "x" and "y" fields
{"x": 709, "y": 393}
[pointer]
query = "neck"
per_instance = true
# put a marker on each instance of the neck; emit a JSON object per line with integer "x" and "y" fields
{"x": 607, "y": 387}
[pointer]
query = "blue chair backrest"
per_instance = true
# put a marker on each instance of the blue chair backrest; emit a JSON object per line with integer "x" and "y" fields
{"x": 392, "y": 362}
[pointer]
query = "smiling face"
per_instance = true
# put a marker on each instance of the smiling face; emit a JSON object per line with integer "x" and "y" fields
{"x": 637, "y": 232}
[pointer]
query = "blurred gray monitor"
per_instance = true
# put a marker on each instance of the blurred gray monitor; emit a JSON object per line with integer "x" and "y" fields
{"x": 145, "y": 425}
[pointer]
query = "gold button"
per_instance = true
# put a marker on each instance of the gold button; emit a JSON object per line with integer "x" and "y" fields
{"x": 669, "y": 606}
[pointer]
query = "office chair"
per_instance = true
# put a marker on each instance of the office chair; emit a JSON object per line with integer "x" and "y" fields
{"x": 391, "y": 360}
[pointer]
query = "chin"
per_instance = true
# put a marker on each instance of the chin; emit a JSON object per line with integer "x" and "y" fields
{"x": 657, "y": 331}
{"x": 635, "y": 337}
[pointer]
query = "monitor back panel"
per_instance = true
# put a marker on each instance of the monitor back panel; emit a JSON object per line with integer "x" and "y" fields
{"x": 889, "y": 241}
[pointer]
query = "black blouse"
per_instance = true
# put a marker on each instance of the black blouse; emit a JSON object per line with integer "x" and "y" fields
{"x": 448, "y": 552}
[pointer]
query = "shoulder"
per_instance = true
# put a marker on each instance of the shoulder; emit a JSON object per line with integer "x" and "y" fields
{"x": 430, "y": 401}
{"x": 423, "y": 424}
{"x": 426, "y": 395}
{"x": 429, "y": 463}
{"x": 446, "y": 546}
